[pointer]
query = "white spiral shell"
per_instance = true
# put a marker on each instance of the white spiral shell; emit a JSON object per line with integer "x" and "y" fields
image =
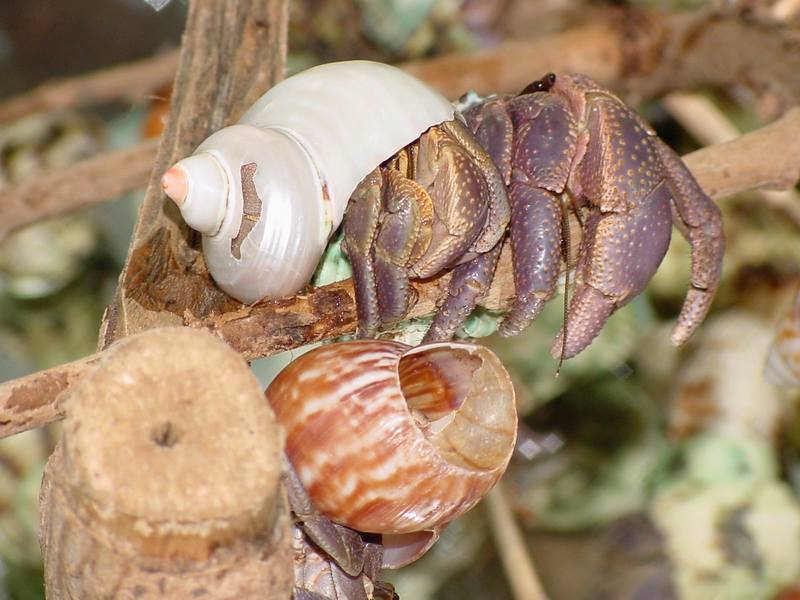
{"x": 305, "y": 145}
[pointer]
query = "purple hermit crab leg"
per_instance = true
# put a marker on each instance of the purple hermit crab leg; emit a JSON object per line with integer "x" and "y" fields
{"x": 700, "y": 222}
{"x": 543, "y": 150}
{"x": 347, "y": 587}
{"x": 343, "y": 545}
{"x": 458, "y": 189}
{"x": 499, "y": 210}
{"x": 360, "y": 228}
{"x": 494, "y": 131}
{"x": 405, "y": 229}
{"x": 536, "y": 253}
{"x": 301, "y": 594}
{"x": 628, "y": 233}
{"x": 471, "y": 280}
{"x": 468, "y": 285}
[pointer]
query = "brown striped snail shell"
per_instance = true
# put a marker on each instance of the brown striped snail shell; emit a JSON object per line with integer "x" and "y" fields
{"x": 393, "y": 439}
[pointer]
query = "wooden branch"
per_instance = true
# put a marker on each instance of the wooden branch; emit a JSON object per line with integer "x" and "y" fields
{"x": 642, "y": 53}
{"x": 594, "y": 49}
{"x": 232, "y": 52}
{"x": 768, "y": 158}
{"x": 167, "y": 480}
{"x": 132, "y": 82}
{"x": 655, "y": 51}
{"x": 749, "y": 162}
{"x": 32, "y": 401}
{"x": 77, "y": 186}
{"x": 709, "y": 125}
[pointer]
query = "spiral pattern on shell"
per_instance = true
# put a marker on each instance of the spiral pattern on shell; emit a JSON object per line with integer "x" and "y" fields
{"x": 392, "y": 439}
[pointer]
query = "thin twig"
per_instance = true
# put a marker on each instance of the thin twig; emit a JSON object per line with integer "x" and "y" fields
{"x": 132, "y": 82}
{"x": 646, "y": 48}
{"x": 31, "y": 401}
{"x": 268, "y": 327}
{"x": 640, "y": 52}
{"x": 709, "y": 125}
{"x": 517, "y": 563}
{"x": 92, "y": 181}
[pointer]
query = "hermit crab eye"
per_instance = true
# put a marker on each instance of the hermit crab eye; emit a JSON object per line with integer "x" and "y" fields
{"x": 540, "y": 85}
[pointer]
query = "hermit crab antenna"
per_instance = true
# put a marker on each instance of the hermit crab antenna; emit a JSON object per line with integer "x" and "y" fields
{"x": 540, "y": 85}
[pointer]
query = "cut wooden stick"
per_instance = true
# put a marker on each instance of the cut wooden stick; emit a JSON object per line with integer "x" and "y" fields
{"x": 167, "y": 483}
{"x": 269, "y": 327}
{"x": 92, "y": 181}
{"x": 131, "y": 82}
{"x": 516, "y": 559}
{"x": 143, "y": 492}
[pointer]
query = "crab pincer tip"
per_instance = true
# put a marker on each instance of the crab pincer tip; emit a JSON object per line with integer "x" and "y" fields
{"x": 174, "y": 184}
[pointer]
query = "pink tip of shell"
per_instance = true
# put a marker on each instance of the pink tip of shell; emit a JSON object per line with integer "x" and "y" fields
{"x": 174, "y": 184}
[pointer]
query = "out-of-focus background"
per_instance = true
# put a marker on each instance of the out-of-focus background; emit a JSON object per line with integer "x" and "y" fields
{"x": 642, "y": 471}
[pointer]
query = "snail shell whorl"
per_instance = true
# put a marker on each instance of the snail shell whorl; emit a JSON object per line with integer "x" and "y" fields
{"x": 372, "y": 463}
{"x": 268, "y": 191}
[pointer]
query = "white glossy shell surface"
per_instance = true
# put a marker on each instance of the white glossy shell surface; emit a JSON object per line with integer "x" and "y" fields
{"x": 283, "y": 249}
{"x": 350, "y": 116}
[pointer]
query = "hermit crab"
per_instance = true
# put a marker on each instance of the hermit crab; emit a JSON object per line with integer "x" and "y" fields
{"x": 566, "y": 149}
{"x": 388, "y": 439}
{"x": 426, "y": 189}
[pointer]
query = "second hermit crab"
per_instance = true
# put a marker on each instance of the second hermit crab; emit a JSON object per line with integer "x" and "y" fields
{"x": 428, "y": 190}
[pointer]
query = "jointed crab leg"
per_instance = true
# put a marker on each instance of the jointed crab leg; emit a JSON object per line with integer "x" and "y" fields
{"x": 620, "y": 254}
{"x": 698, "y": 219}
{"x": 439, "y": 203}
{"x": 536, "y": 254}
{"x": 360, "y": 229}
{"x": 343, "y": 545}
{"x": 468, "y": 285}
